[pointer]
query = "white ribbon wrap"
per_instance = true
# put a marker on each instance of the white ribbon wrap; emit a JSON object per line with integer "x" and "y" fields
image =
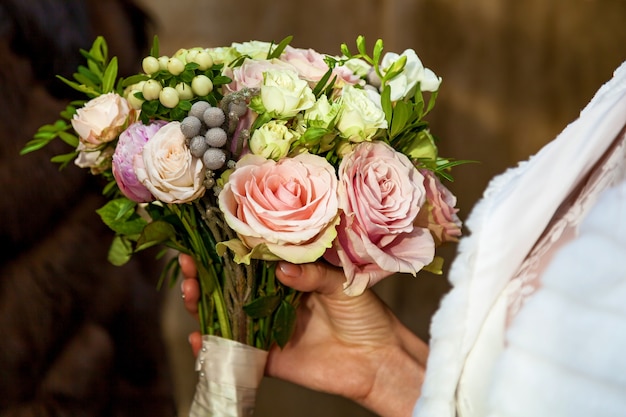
{"x": 230, "y": 374}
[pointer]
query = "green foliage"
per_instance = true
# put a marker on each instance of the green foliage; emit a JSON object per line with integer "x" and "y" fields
{"x": 262, "y": 306}
{"x": 276, "y": 52}
{"x": 284, "y": 323}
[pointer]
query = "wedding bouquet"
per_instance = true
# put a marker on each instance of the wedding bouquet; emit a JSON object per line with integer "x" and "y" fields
{"x": 245, "y": 155}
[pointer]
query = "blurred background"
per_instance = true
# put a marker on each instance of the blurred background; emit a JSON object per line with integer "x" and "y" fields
{"x": 514, "y": 75}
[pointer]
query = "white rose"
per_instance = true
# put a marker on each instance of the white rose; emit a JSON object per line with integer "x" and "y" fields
{"x": 102, "y": 119}
{"x": 272, "y": 140}
{"x": 254, "y": 49}
{"x": 403, "y": 84}
{"x": 361, "y": 114}
{"x": 283, "y": 94}
{"x": 167, "y": 168}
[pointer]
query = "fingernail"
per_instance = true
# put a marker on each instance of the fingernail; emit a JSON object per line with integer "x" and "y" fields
{"x": 289, "y": 269}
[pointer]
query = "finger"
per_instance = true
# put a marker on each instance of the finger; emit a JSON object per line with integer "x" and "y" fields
{"x": 313, "y": 277}
{"x": 187, "y": 266}
{"x": 191, "y": 294}
{"x": 195, "y": 340}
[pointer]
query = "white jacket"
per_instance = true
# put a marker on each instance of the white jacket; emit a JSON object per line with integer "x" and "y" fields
{"x": 504, "y": 226}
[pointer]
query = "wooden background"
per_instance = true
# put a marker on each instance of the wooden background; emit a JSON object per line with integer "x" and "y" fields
{"x": 515, "y": 73}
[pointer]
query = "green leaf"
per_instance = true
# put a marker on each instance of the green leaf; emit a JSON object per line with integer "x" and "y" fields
{"x": 401, "y": 114}
{"x": 90, "y": 92}
{"x": 319, "y": 87}
{"x": 64, "y": 159}
{"x": 276, "y": 52}
{"x": 154, "y": 50}
{"x": 262, "y": 306}
{"x": 155, "y": 233}
{"x": 385, "y": 101}
{"x": 120, "y": 216}
{"x": 431, "y": 101}
{"x": 86, "y": 77}
{"x": 221, "y": 79}
{"x": 68, "y": 138}
{"x": 99, "y": 49}
{"x": 120, "y": 252}
{"x": 109, "y": 77}
{"x": 95, "y": 68}
{"x": 149, "y": 108}
{"x": 134, "y": 79}
{"x": 284, "y": 323}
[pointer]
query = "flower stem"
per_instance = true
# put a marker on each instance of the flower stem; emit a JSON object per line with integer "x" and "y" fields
{"x": 207, "y": 274}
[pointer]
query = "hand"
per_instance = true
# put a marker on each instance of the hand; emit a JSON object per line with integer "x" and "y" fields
{"x": 349, "y": 346}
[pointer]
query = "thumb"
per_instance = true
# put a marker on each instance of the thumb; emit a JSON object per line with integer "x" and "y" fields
{"x": 313, "y": 277}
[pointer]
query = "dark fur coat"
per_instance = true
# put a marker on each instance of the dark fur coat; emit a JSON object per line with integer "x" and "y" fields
{"x": 78, "y": 336}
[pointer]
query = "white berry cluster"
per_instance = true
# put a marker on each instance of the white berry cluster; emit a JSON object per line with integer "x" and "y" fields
{"x": 164, "y": 69}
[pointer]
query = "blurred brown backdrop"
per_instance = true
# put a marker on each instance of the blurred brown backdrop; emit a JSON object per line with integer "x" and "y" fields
{"x": 514, "y": 75}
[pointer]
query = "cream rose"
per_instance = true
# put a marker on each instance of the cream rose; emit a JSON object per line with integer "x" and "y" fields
{"x": 290, "y": 206}
{"x": 102, "y": 119}
{"x": 361, "y": 114}
{"x": 167, "y": 168}
{"x": 323, "y": 113}
{"x": 283, "y": 95}
{"x": 254, "y": 49}
{"x": 272, "y": 140}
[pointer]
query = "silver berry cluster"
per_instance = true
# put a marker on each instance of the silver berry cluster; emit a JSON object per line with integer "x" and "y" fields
{"x": 203, "y": 127}
{"x": 212, "y": 132}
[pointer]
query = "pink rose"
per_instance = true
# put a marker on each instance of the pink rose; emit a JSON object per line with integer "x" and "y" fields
{"x": 250, "y": 73}
{"x": 129, "y": 145}
{"x": 311, "y": 67}
{"x": 439, "y": 214}
{"x": 291, "y": 206}
{"x": 380, "y": 193}
{"x": 102, "y": 119}
{"x": 309, "y": 64}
